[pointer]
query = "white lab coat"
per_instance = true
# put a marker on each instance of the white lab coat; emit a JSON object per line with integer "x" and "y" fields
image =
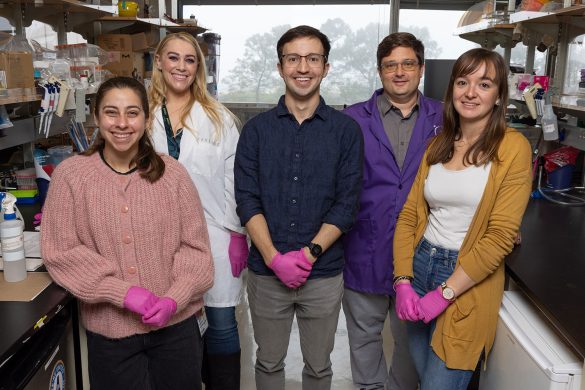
{"x": 211, "y": 166}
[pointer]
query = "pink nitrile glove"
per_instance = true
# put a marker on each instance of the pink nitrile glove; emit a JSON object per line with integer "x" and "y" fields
{"x": 160, "y": 314}
{"x": 292, "y": 268}
{"x": 431, "y": 305}
{"x": 139, "y": 300}
{"x": 406, "y": 302}
{"x": 238, "y": 253}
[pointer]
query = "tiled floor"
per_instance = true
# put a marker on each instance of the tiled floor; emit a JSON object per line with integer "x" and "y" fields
{"x": 294, "y": 360}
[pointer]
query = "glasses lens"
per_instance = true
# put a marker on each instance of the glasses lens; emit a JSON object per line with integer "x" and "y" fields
{"x": 409, "y": 65}
{"x": 313, "y": 60}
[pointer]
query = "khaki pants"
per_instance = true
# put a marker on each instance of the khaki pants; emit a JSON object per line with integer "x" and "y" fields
{"x": 272, "y": 308}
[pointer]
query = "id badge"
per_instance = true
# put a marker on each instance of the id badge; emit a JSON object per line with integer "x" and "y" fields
{"x": 202, "y": 321}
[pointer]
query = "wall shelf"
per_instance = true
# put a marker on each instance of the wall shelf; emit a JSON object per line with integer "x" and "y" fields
{"x": 19, "y": 99}
{"x": 498, "y": 34}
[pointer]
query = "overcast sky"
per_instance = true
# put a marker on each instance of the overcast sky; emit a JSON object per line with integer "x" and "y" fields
{"x": 236, "y": 23}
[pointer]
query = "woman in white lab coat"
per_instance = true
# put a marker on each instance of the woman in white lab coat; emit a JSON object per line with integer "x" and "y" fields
{"x": 190, "y": 125}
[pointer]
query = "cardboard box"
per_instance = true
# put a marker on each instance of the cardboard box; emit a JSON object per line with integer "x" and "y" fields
{"x": 126, "y": 63}
{"x": 145, "y": 41}
{"x": 19, "y": 69}
{"x": 115, "y": 42}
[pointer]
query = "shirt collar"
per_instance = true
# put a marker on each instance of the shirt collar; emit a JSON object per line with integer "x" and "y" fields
{"x": 321, "y": 111}
{"x": 384, "y": 105}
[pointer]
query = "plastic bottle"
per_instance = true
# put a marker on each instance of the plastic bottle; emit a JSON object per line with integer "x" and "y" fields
{"x": 12, "y": 238}
{"x": 549, "y": 123}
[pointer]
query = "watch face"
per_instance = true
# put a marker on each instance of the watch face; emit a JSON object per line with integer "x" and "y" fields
{"x": 315, "y": 249}
{"x": 448, "y": 293}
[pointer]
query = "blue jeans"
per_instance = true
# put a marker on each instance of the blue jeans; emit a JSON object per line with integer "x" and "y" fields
{"x": 221, "y": 337}
{"x": 432, "y": 265}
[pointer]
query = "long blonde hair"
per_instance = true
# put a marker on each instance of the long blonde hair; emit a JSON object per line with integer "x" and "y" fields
{"x": 217, "y": 112}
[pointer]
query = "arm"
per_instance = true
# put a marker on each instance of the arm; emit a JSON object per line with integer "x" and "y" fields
{"x": 192, "y": 271}
{"x": 349, "y": 180}
{"x": 258, "y": 231}
{"x": 246, "y": 176}
{"x": 231, "y": 220}
{"x": 85, "y": 273}
{"x": 405, "y": 233}
{"x": 326, "y": 236}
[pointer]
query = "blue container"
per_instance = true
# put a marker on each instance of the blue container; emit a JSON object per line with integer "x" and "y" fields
{"x": 561, "y": 178}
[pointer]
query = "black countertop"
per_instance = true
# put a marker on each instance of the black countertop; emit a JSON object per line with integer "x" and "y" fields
{"x": 21, "y": 320}
{"x": 549, "y": 266}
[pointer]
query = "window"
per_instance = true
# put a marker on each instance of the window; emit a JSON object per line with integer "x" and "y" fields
{"x": 249, "y": 35}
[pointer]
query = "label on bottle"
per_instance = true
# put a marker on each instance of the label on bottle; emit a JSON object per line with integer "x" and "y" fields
{"x": 12, "y": 243}
{"x": 549, "y": 128}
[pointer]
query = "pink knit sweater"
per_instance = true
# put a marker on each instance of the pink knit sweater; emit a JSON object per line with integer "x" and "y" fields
{"x": 103, "y": 233}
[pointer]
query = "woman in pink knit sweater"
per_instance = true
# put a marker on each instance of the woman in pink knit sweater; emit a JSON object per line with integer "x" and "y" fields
{"x": 124, "y": 232}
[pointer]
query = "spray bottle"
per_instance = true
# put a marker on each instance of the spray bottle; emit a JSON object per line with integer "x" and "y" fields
{"x": 12, "y": 239}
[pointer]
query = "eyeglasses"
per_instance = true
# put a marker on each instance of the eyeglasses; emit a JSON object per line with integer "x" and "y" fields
{"x": 314, "y": 60}
{"x": 391, "y": 67}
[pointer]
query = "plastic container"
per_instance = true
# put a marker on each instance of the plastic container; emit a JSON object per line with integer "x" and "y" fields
{"x": 550, "y": 128}
{"x": 59, "y": 153}
{"x": 561, "y": 178}
{"x": 25, "y": 179}
{"x": 12, "y": 238}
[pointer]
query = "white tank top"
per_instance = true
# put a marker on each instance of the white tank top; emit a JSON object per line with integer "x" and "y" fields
{"x": 453, "y": 197}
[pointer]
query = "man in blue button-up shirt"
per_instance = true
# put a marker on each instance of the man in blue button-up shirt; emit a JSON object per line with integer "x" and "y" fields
{"x": 298, "y": 174}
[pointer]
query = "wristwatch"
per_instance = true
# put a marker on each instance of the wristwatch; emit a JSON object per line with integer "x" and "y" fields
{"x": 447, "y": 292}
{"x": 315, "y": 249}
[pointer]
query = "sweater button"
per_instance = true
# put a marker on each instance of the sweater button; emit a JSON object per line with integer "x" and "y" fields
{"x": 127, "y": 239}
{"x": 125, "y": 209}
{"x": 132, "y": 270}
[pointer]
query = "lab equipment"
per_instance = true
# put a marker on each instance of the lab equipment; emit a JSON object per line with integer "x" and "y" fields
{"x": 527, "y": 353}
{"x": 12, "y": 238}
{"x": 549, "y": 124}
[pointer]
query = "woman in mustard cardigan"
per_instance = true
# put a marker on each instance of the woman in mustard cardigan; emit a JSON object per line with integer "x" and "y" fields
{"x": 458, "y": 223}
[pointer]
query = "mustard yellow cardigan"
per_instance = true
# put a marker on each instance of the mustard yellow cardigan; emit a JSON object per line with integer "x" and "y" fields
{"x": 468, "y": 326}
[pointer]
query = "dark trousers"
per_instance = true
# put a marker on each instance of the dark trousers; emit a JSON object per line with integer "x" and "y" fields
{"x": 168, "y": 358}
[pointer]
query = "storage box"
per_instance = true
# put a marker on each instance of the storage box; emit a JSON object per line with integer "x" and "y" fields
{"x": 126, "y": 63}
{"x": 145, "y": 41}
{"x": 19, "y": 69}
{"x": 115, "y": 42}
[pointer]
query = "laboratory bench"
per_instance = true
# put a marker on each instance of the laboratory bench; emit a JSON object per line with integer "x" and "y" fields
{"x": 549, "y": 266}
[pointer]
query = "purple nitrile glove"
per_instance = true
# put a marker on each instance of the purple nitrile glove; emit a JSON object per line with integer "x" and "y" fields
{"x": 292, "y": 268}
{"x": 431, "y": 305}
{"x": 139, "y": 300}
{"x": 238, "y": 253}
{"x": 406, "y": 302}
{"x": 160, "y": 314}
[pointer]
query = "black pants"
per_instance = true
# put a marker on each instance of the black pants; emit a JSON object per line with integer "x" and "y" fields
{"x": 168, "y": 358}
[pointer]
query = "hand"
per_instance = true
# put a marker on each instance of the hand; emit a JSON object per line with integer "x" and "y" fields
{"x": 292, "y": 268}
{"x": 431, "y": 305}
{"x": 406, "y": 302}
{"x": 139, "y": 300}
{"x": 238, "y": 253}
{"x": 160, "y": 314}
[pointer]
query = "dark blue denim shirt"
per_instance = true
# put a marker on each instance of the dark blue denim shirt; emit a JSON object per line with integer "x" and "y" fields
{"x": 299, "y": 177}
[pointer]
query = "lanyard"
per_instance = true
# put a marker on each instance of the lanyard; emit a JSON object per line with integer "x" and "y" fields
{"x": 173, "y": 142}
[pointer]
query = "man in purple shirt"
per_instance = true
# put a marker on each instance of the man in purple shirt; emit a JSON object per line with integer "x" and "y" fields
{"x": 397, "y": 123}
